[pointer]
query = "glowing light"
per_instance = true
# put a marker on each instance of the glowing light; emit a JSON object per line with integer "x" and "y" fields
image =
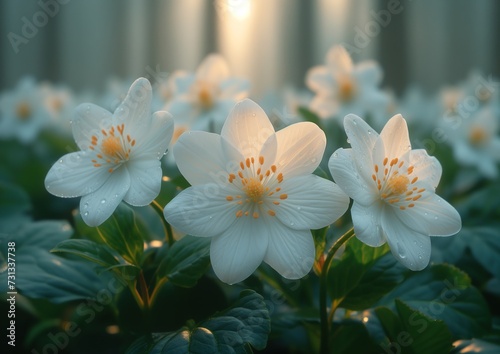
{"x": 240, "y": 9}
{"x": 165, "y": 178}
{"x": 113, "y": 329}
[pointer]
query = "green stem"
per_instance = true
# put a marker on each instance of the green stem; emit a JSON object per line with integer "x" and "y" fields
{"x": 156, "y": 290}
{"x": 325, "y": 324}
{"x": 167, "y": 229}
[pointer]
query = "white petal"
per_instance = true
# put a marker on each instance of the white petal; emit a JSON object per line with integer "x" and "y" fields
{"x": 98, "y": 206}
{"x": 431, "y": 215}
{"x": 395, "y": 137}
{"x": 319, "y": 79}
{"x": 74, "y": 175}
{"x": 368, "y": 73}
{"x": 368, "y": 224}
{"x": 234, "y": 89}
{"x": 346, "y": 174}
{"x": 89, "y": 119}
{"x": 200, "y": 157}
{"x": 339, "y": 59}
{"x": 247, "y": 128}
{"x": 290, "y": 252}
{"x": 426, "y": 167}
{"x": 153, "y": 139}
{"x": 312, "y": 203}
{"x": 409, "y": 247}
{"x": 213, "y": 69}
{"x": 324, "y": 106}
{"x": 362, "y": 139}
{"x": 136, "y": 107}
{"x": 202, "y": 210}
{"x": 145, "y": 181}
{"x": 300, "y": 149}
{"x": 237, "y": 253}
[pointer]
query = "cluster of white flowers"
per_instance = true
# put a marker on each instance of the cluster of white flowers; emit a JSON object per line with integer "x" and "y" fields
{"x": 254, "y": 190}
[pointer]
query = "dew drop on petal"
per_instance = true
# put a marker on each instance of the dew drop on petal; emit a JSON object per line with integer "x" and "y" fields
{"x": 435, "y": 218}
{"x": 86, "y": 213}
{"x": 103, "y": 201}
{"x": 335, "y": 155}
{"x": 401, "y": 251}
{"x": 348, "y": 141}
{"x": 314, "y": 160}
{"x": 60, "y": 161}
{"x": 86, "y": 205}
{"x": 292, "y": 223}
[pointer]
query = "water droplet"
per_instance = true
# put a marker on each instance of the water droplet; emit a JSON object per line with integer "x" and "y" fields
{"x": 419, "y": 256}
{"x": 292, "y": 223}
{"x": 116, "y": 195}
{"x": 253, "y": 114}
{"x": 165, "y": 153}
{"x": 103, "y": 201}
{"x": 71, "y": 121}
{"x": 48, "y": 187}
{"x": 401, "y": 251}
{"x": 354, "y": 122}
{"x": 348, "y": 141}
{"x": 335, "y": 154}
{"x": 314, "y": 160}
{"x": 299, "y": 208}
{"x": 435, "y": 218}
{"x": 60, "y": 161}
{"x": 210, "y": 217}
{"x": 85, "y": 206}
{"x": 369, "y": 132}
{"x": 86, "y": 213}
{"x": 426, "y": 214}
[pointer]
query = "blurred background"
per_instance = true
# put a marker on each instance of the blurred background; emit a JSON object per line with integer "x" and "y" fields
{"x": 271, "y": 43}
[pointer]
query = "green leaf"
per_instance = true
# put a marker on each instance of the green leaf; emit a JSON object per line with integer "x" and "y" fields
{"x": 121, "y": 232}
{"x": 363, "y": 275}
{"x": 309, "y": 116}
{"x": 484, "y": 243}
{"x": 186, "y": 261}
{"x": 100, "y": 254}
{"x": 41, "y": 274}
{"x": 444, "y": 292}
{"x": 410, "y": 331}
{"x": 351, "y": 336}
{"x": 13, "y": 200}
{"x": 231, "y": 331}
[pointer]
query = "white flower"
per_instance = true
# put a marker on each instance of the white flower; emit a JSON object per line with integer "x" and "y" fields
{"x": 393, "y": 188}
{"x": 59, "y": 102}
{"x": 22, "y": 112}
{"x": 253, "y": 191}
{"x": 476, "y": 142}
{"x": 202, "y": 100}
{"x": 343, "y": 88}
{"x": 120, "y": 157}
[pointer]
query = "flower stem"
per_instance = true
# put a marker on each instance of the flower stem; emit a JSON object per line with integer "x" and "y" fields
{"x": 325, "y": 323}
{"x": 166, "y": 226}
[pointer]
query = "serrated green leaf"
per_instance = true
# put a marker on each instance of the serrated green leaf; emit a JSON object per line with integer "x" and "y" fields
{"x": 231, "y": 331}
{"x": 100, "y": 254}
{"x": 41, "y": 274}
{"x": 88, "y": 250}
{"x": 362, "y": 275}
{"x": 351, "y": 336}
{"x": 120, "y": 232}
{"x": 444, "y": 292}
{"x": 425, "y": 335}
{"x": 186, "y": 261}
{"x": 410, "y": 331}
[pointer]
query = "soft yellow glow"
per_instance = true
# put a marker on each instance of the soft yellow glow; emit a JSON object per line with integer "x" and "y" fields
{"x": 113, "y": 329}
{"x": 165, "y": 179}
{"x": 239, "y": 8}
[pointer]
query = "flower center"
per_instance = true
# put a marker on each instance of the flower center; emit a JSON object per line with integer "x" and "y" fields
{"x": 56, "y": 103}
{"x": 396, "y": 184}
{"x": 23, "y": 111}
{"x": 478, "y": 136}
{"x": 346, "y": 89}
{"x": 112, "y": 147}
{"x": 254, "y": 189}
{"x": 177, "y": 133}
{"x": 261, "y": 188}
{"x": 205, "y": 93}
